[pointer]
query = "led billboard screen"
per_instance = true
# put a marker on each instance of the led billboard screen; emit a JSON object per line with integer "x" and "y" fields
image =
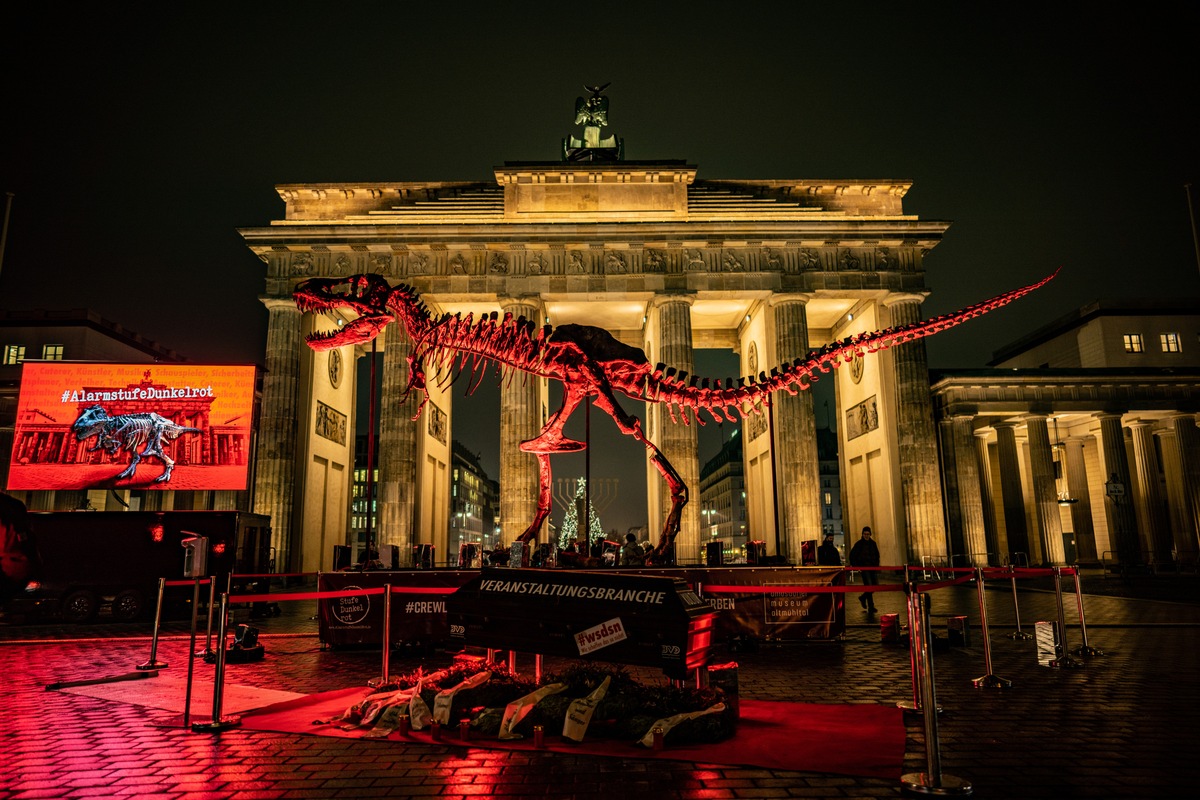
{"x": 132, "y": 426}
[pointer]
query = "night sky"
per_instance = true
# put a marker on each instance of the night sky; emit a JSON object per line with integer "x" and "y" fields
{"x": 137, "y": 142}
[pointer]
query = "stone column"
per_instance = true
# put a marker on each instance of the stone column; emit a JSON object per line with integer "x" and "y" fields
{"x": 1013, "y": 497}
{"x": 225, "y": 501}
{"x": 1183, "y": 534}
{"x": 520, "y": 420}
{"x": 916, "y": 439}
{"x": 966, "y": 467}
{"x": 1187, "y": 441}
{"x": 396, "y": 491}
{"x": 1150, "y": 505}
{"x": 954, "y": 523}
{"x": 1045, "y": 490}
{"x": 677, "y": 441}
{"x": 794, "y": 437}
{"x": 275, "y": 459}
{"x": 1081, "y": 509}
{"x": 987, "y": 497}
{"x": 1120, "y": 507}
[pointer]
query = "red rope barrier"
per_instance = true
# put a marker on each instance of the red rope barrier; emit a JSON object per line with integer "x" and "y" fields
{"x": 203, "y": 582}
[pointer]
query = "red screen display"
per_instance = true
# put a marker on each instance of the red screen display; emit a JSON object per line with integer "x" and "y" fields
{"x": 132, "y": 426}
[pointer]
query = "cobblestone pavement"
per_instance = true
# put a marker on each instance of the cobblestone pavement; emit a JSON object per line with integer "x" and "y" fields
{"x": 1122, "y": 725}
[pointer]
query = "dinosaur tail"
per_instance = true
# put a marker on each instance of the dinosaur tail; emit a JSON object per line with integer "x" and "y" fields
{"x": 745, "y": 395}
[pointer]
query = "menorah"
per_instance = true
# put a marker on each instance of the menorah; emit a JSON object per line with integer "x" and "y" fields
{"x": 599, "y": 492}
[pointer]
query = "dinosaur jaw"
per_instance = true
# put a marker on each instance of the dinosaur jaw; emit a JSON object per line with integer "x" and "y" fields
{"x": 359, "y": 331}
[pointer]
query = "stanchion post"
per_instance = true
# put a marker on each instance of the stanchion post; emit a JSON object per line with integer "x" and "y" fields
{"x": 512, "y": 662}
{"x": 385, "y": 675}
{"x": 1018, "y": 633}
{"x": 207, "y": 652}
{"x": 537, "y": 669}
{"x": 1083, "y": 649}
{"x": 911, "y": 706}
{"x": 217, "y": 723}
{"x": 913, "y": 598}
{"x": 154, "y": 663}
{"x": 990, "y": 680}
{"x": 932, "y": 781}
{"x": 187, "y": 695}
{"x": 1064, "y": 658}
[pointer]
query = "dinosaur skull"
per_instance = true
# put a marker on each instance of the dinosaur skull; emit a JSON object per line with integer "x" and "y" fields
{"x": 365, "y": 295}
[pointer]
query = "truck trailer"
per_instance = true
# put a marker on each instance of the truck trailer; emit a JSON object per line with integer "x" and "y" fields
{"x": 95, "y": 560}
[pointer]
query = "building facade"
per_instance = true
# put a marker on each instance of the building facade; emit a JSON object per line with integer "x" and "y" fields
{"x": 1081, "y": 445}
{"x": 723, "y": 500}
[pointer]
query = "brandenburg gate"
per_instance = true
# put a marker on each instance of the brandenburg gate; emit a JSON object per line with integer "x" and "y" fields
{"x": 664, "y": 260}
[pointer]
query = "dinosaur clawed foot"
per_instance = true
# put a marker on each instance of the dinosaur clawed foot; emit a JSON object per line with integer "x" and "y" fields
{"x": 544, "y": 445}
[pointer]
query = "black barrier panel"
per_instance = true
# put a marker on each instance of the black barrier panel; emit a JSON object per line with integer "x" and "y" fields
{"x": 357, "y": 620}
{"x": 605, "y": 616}
{"x": 714, "y": 554}
{"x": 422, "y": 556}
{"x": 341, "y": 556}
{"x": 782, "y": 616}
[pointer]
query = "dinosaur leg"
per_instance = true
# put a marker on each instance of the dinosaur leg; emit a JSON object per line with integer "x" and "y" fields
{"x": 132, "y": 468}
{"x": 551, "y": 439}
{"x": 632, "y": 426}
{"x": 166, "y": 459}
{"x": 543, "y": 507}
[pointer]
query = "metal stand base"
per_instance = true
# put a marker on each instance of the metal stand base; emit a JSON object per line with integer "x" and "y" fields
{"x": 909, "y": 707}
{"x": 151, "y": 665}
{"x": 992, "y": 682}
{"x": 1066, "y": 661}
{"x": 207, "y": 653}
{"x": 217, "y": 725}
{"x": 1087, "y": 652}
{"x": 1020, "y": 635}
{"x": 923, "y": 783}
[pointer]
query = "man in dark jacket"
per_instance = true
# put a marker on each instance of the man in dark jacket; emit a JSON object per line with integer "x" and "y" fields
{"x": 827, "y": 553}
{"x": 865, "y": 553}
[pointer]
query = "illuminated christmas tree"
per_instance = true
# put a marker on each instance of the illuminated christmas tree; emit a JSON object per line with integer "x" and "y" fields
{"x": 569, "y": 532}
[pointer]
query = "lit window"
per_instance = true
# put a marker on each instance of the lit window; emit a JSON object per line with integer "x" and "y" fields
{"x": 1169, "y": 342}
{"x": 828, "y": 499}
{"x": 52, "y": 352}
{"x": 1133, "y": 342}
{"x": 14, "y": 353}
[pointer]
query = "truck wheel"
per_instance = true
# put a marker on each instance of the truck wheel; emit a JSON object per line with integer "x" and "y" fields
{"x": 80, "y": 606}
{"x": 128, "y": 606}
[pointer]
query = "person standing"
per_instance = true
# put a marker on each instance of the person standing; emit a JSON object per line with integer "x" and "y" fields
{"x": 631, "y": 552}
{"x": 865, "y": 553}
{"x": 827, "y": 553}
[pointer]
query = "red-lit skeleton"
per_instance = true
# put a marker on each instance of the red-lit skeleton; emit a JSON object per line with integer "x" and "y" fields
{"x": 589, "y": 363}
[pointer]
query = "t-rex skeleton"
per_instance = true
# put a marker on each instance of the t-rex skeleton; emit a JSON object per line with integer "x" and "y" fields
{"x": 589, "y": 362}
{"x": 129, "y": 432}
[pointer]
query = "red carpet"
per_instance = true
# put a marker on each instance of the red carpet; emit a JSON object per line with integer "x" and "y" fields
{"x": 859, "y": 740}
